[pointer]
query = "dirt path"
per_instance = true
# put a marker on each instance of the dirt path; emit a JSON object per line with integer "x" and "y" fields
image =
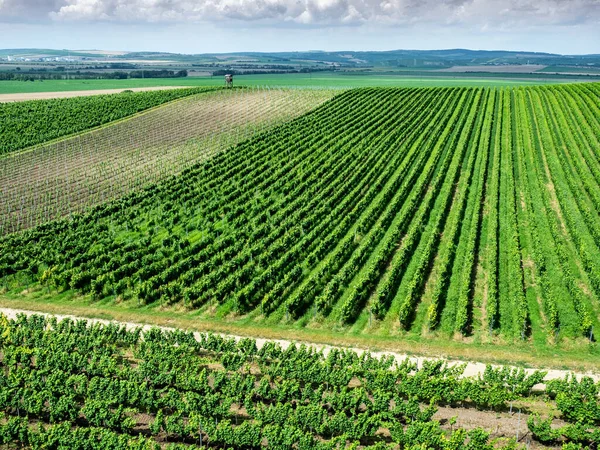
{"x": 472, "y": 369}
{"x": 21, "y": 97}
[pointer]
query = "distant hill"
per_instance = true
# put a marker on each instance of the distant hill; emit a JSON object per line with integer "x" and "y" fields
{"x": 348, "y": 59}
{"x": 447, "y": 58}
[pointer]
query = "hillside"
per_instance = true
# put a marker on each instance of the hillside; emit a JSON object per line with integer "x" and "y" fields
{"x": 55, "y": 67}
{"x": 446, "y": 57}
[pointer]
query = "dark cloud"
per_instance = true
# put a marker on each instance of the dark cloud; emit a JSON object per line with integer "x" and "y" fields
{"x": 25, "y": 10}
{"x": 311, "y": 12}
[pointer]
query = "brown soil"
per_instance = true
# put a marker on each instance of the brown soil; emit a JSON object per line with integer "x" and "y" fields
{"x": 499, "y": 424}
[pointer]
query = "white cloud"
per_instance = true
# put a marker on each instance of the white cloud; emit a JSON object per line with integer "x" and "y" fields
{"x": 84, "y": 9}
{"x": 483, "y": 13}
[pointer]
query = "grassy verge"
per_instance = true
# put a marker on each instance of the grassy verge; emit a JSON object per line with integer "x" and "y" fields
{"x": 577, "y": 358}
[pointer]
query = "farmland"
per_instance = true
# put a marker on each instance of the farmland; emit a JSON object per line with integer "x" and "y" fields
{"x": 454, "y": 222}
{"x": 350, "y": 79}
{"x": 105, "y": 386}
{"x": 69, "y": 175}
{"x": 462, "y": 214}
{"x": 29, "y": 123}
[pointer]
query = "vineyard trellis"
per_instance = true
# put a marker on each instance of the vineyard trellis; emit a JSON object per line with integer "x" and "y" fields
{"x": 73, "y": 384}
{"x": 30, "y": 123}
{"x": 444, "y": 212}
{"x": 70, "y": 176}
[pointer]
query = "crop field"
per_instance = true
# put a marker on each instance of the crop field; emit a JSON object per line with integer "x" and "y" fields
{"x": 29, "y": 123}
{"x": 465, "y": 214}
{"x": 336, "y": 79}
{"x": 71, "y": 384}
{"x": 455, "y": 222}
{"x": 64, "y": 177}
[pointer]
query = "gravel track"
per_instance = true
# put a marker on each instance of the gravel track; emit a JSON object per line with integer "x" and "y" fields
{"x": 472, "y": 369}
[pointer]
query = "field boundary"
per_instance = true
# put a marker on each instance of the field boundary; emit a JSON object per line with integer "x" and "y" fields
{"x": 472, "y": 368}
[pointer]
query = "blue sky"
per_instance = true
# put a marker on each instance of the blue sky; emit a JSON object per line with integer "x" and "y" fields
{"x": 201, "y": 26}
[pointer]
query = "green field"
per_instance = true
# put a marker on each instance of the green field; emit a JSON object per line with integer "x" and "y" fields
{"x": 458, "y": 221}
{"x": 315, "y": 80}
{"x": 465, "y": 219}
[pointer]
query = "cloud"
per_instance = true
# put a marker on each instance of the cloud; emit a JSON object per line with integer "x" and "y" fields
{"x": 24, "y": 10}
{"x": 483, "y": 13}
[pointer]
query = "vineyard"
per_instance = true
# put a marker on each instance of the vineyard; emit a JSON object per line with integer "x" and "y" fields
{"x": 69, "y": 176}
{"x": 33, "y": 122}
{"x": 440, "y": 213}
{"x": 72, "y": 385}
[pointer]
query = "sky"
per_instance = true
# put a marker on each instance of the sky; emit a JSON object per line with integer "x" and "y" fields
{"x": 216, "y": 26}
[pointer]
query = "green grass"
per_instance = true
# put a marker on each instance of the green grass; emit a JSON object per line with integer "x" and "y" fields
{"x": 316, "y": 80}
{"x": 548, "y": 357}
